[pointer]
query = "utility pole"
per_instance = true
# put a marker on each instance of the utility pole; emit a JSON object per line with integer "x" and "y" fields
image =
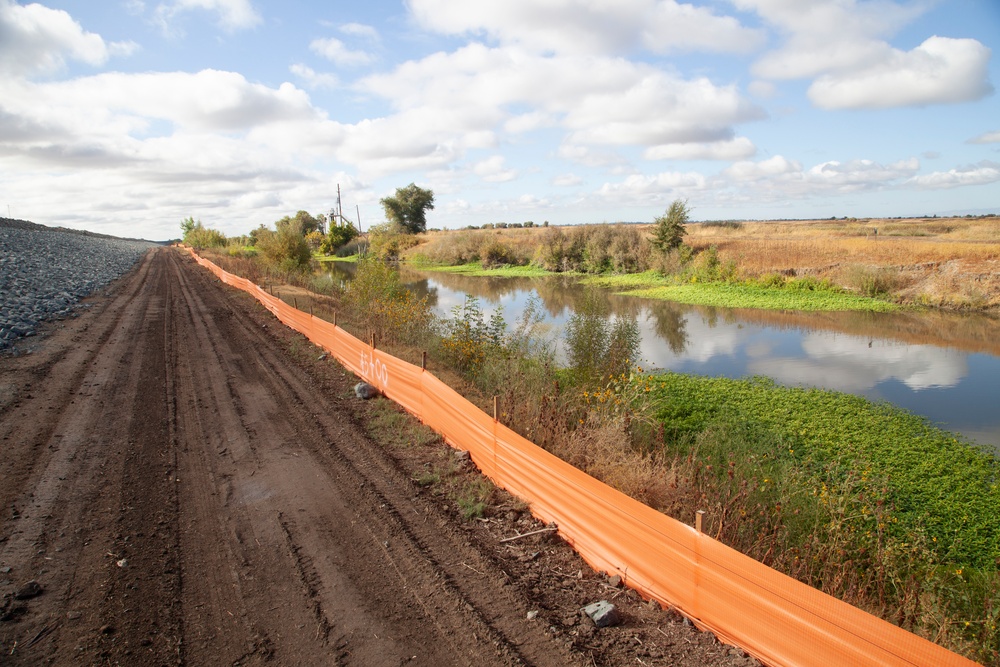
{"x": 340, "y": 208}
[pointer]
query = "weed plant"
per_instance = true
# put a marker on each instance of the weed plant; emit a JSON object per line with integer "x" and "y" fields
{"x": 382, "y": 306}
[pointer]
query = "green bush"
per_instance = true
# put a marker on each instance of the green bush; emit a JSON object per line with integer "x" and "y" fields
{"x": 285, "y": 249}
{"x": 197, "y": 235}
{"x": 378, "y": 300}
{"x": 494, "y": 253}
{"x": 336, "y": 238}
{"x": 592, "y": 249}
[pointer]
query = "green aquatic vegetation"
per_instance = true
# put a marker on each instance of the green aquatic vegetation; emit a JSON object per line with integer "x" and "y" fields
{"x": 938, "y": 483}
{"x": 773, "y": 292}
{"x": 476, "y": 269}
{"x": 863, "y": 500}
{"x": 731, "y": 295}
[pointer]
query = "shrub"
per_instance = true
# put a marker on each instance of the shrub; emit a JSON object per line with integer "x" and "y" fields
{"x": 872, "y": 281}
{"x": 468, "y": 338}
{"x": 670, "y": 227}
{"x": 388, "y": 241}
{"x": 378, "y": 300}
{"x": 336, "y": 238}
{"x": 197, "y": 235}
{"x": 494, "y": 253}
{"x": 285, "y": 249}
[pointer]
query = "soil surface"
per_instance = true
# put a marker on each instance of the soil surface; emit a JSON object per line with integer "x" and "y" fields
{"x": 185, "y": 481}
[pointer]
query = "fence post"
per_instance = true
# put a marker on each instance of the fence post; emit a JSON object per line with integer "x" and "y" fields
{"x": 697, "y": 520}
{"x": 423, "y": 361}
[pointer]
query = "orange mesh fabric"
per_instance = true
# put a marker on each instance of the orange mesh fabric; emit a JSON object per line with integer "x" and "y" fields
{"x": 772, "y": 616}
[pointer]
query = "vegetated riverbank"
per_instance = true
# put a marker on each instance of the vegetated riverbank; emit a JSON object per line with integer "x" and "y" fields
{"x": 873, "y": 264}
{"x": 866, "y": 502}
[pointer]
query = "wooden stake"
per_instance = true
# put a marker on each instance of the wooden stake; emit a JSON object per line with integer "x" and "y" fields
{"x": 423, "y": 361}
{"x": 496, "y": 402}
{"x": 697, "y": 520}
{"x": 295, "y": 303}
{"x": 373, "y": 340}
{"x": 334, "y": 318}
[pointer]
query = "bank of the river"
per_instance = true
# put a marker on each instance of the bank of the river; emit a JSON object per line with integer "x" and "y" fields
{"x": 793, "y": 295}
{"x": 868, "y": 265}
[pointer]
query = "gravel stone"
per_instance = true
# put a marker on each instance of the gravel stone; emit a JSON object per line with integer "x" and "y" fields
{"x": 45, "y": 271}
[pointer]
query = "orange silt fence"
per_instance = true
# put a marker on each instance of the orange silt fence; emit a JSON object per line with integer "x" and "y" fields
{"x": 775, "y": 618}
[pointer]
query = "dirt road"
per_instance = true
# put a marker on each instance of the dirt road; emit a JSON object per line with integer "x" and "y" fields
{"x": 184, "y": 494}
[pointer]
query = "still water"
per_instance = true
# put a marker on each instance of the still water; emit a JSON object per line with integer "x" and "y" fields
{"x": 945, "y": 367}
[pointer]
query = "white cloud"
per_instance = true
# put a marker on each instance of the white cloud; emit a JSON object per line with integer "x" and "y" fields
{"x": 312, "y": 78}
{"x": 650, "y": 188}
{"x": 762, "y": 89}
{"x": 35, "y": 39}
{"x": 735, "y": 149}
{"x": 748, "y": 172}
{"x": 567, "y": 180}
{"x": 859, "y": 174}
{"x": 977, "y": 174}
{"x": 986, "y": 138}
{"x": 360, "y": 30}
{"x": 848, "y": 363}
{"x": 779, "y": 178}
{"x": 532, "y": 120}
{"x": 597, "y": 101}
{"x": 176, "y": 127}
{"x": 337, "y": 52}
{"x": 823, "y": 36}
{"x": 493, "y": 170}
{"x": 597, "y": 27}
{"x": 939, "y": 71}
{"x": 232, "y": 15}
{"x": 589, "y": 157}
{"x": 843, "y": 46}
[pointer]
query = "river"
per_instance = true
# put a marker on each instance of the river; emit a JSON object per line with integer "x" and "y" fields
{"x": 943, "y": 366}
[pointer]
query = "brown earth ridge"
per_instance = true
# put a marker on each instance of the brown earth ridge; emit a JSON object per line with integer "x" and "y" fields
{"x": 188, "y": 482}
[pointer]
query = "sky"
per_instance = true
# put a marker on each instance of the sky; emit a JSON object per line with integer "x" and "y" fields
{"x": 125, "y": 117}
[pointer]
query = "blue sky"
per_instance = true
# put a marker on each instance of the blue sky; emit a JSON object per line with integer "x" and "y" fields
{"x": 124, "y": 117}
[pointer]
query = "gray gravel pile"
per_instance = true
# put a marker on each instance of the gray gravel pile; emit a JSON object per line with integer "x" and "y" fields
{"x": 44, "y": 272}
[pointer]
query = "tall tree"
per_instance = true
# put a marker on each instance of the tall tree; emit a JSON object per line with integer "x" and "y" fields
{"x": 408, "y": 208}
{"x": 670, "y": 227}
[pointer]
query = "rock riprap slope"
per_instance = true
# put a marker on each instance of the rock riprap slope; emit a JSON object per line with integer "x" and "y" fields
{"x": 44, "y": 272}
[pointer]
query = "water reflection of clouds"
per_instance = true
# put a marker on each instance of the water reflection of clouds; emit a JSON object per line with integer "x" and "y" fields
{"x": 853, "y": 364}
{"x": 703, "y": 343}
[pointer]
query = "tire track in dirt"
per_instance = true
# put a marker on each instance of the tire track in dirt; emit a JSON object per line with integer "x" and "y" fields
{"x": 353, "y": 499}
{"x": 186, "y": 496}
